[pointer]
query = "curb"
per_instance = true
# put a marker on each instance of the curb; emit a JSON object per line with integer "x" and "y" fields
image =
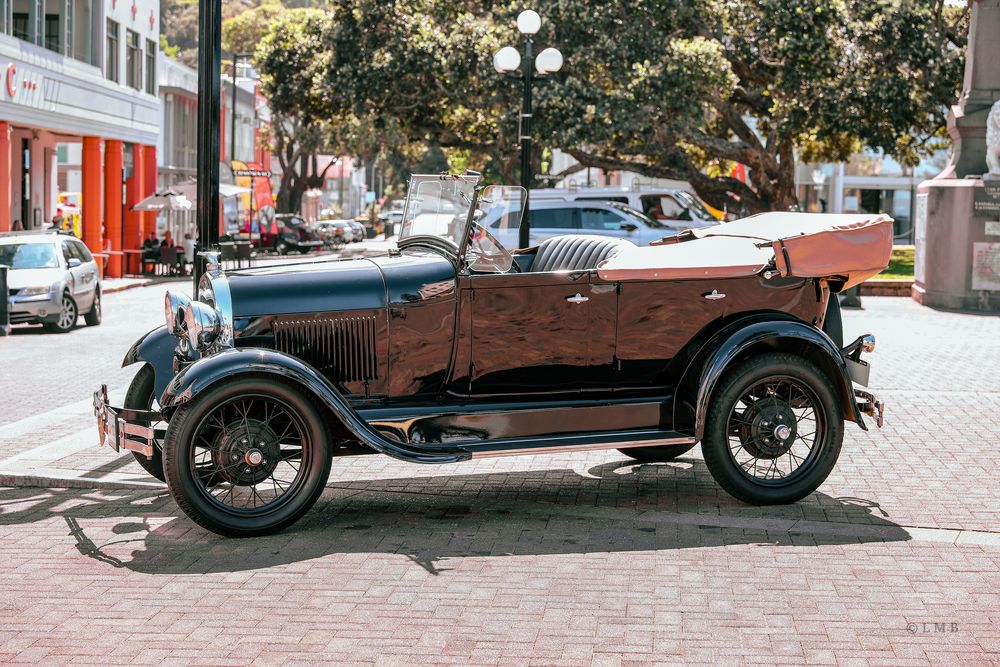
{"x": 144, "y": 283}
{"x": 886, "y": 288}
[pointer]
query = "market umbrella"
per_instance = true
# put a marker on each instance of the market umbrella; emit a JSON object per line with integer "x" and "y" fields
{"x": 190, "y": 188}
{"x": 168, "y": 200}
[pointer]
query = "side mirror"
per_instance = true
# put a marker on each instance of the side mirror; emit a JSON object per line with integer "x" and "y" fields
{"x": 629, "y": 226}
{"x": 73, "y": 262}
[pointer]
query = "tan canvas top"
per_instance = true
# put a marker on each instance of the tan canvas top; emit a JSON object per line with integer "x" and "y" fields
{"x": 848, "y": 247}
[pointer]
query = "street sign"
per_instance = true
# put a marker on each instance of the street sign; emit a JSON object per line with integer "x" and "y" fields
{"x": 254, "y": 173}
{"x": 369, "y": 197}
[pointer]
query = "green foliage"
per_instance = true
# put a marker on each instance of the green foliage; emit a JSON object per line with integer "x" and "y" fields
{"x": 673, "y": 88}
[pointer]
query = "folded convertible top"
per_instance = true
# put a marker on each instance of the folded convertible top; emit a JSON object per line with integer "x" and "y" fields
{"x": 843, "y": 247}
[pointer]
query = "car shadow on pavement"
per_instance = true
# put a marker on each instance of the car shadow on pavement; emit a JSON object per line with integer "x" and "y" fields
{"x": 614, "y": 507}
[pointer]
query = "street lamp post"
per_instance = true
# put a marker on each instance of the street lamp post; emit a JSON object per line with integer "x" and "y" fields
{"x": 506, "y": 61}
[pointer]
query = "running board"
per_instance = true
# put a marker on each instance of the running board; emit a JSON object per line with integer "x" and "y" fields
{"x": 575, "y": 443}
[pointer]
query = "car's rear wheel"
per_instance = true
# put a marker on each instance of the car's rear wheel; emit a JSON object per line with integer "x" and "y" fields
{"x": 656, "y": 454}
{"x": 68, "y": 314}
{"x": 281, "y": 248}
{"x": 248, "y": 457}
{"x": 142, "y": 396}
{"x": 93, "y": 318}
{"x": 774, "y": 429}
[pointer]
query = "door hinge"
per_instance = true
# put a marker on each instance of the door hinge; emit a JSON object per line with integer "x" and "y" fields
{"x": 618, "y": 288}
{"x": 616, "y": 363}
{"x": 472, "y": 372}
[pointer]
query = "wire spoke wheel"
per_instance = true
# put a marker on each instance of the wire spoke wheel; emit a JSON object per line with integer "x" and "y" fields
{"x": 774, "y": 429}
{"x": 249, "y": 454}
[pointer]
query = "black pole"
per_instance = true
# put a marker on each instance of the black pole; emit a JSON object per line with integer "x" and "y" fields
{"x": 4, "y": 302}
{"x": 524, "y": 238}
{"x": 209, "y": 109}
{"x": 232, "y": 129}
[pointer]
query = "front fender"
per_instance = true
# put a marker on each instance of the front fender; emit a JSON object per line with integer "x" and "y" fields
{"x": 156, "y": 348}
{"x": 733, "y": 344}
{"x": 233, "y": 363}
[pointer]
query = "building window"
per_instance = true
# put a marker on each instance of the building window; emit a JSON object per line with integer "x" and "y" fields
{"x": 20, "y": 25}
{"x": 150, "y": 67}
{"x": 52, "y": 32}
{"x": 111, "y": 63}
{"x": 133, "y": 60}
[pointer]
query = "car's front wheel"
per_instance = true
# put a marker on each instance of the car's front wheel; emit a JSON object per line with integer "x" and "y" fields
{"x": 248, "y": 457}
{"x": 774, "y": 429}
{"x": 68, "y": 314}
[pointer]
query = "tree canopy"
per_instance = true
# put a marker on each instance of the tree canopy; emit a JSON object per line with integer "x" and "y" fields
{"x": 671, "y": 88}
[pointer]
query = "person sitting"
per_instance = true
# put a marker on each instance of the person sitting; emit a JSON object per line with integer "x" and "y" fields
{"x": 150, "y": 249}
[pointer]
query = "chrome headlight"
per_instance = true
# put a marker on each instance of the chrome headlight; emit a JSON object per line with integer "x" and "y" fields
{"x": 174, "y": 306}
{"x": 35, "y": 291}
{"x": 203, "y": 324}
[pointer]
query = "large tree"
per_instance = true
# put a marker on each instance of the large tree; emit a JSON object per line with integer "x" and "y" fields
{"x": 673, "y": 88}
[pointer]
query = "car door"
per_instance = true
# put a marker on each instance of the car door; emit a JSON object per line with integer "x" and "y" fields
{"x": 88, "y": 272}
{"x": 608, "y": 222}
{"x": 540, "y": 333}
{"x": 74, "y": 269}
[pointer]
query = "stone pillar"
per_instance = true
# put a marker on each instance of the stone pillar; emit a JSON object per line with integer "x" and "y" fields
{"x": 5, "y": 176}
{"x": 955, "y": 245}
{"x": 133, "y": 219}
{"x": 91, "y": 218}
{"x": 113, "y": 164}
{"x": 149, "y": 186}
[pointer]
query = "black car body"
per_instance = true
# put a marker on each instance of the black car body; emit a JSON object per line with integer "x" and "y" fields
{"x": 451, "y": 348}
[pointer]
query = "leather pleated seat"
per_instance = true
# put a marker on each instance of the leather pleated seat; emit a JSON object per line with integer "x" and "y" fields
{"x": 576, "y": 252}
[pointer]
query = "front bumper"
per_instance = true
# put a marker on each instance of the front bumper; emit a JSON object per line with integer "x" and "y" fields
{"x": 124, "y": 428}
{"x": 40, "y": 308}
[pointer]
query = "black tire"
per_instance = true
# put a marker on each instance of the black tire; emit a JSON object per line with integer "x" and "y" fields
{"x": 93, "y": 318}
{"x": 656, "y": 454}
{"x": 212, "y": 425}
{"x": 750, "y": 431}
{"x": 281, "y": 248}
{"x": 140, "y": 396}
{"x": 68, "y": 315}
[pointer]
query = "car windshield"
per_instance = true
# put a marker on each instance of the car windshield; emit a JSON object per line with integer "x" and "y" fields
{"x": 638, "y": 215}
{"x": 29, "y": 256}
{"x": 438, "y": 206}
{"x": 495, "y": 228}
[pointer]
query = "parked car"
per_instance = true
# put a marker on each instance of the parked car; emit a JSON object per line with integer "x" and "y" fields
{"x": 358, "y": 229}
{"x": 294, "y": 235}
{"x": 52, "y": 280}
{"x": 452, "y": 348}
{"x": 675, "y": 207}
{"x": 550, "y": 218}
{"x": 336, "y": 233}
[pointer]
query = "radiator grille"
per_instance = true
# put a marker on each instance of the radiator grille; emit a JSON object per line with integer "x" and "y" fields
{"x": 342, "y": 348}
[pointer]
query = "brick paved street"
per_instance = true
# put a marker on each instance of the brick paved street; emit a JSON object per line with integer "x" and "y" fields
{"x": 561, "y": 559}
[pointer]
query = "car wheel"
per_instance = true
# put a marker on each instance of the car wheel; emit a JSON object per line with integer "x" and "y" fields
{"x": 93, "y": 318}
{"x": 304, "y": 251}
{"x": 248, "y": 457}
{"x": 281, "y": 248}
{"x": 656, "y": 454}
{"x": 774, "y": 430}
{"x": 141, "y": 396}
{"x": 68, "y": 314}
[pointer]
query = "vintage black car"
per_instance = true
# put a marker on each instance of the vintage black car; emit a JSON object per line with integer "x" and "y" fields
{"x": 453, "y": 348}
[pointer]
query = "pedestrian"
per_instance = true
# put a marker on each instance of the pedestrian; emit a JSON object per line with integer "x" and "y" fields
{"x": 189, "y": 248}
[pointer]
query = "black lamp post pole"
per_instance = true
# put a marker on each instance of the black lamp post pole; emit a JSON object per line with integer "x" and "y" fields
{"x": 524, "y": 238}
{"x": 232, "y": 122}
{"x": 209, "y": 109}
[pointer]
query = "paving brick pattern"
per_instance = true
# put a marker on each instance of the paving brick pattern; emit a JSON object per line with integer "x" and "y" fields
{"x": 564, "y": 559}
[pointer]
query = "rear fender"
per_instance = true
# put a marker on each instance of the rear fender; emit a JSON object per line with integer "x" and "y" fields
{"x": 200, "y": 376}
{"x": 742, "y": 339}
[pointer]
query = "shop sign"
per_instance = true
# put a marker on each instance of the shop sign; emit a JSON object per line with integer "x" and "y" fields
{"x": 253, "y": 173}
{"x": 21, "y": 85}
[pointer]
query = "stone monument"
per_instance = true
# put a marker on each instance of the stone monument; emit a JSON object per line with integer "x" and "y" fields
{"x": 957, "y": 216}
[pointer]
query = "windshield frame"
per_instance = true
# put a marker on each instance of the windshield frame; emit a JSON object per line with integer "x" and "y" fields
{"x": 456, "y": 251}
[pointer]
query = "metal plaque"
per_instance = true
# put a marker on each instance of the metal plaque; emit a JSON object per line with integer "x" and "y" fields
{"x": 986, "y": 201}
{"x": 986, "y": 266}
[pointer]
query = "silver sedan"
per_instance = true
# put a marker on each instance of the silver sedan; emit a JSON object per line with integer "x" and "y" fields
{"x": 52, "y": 280}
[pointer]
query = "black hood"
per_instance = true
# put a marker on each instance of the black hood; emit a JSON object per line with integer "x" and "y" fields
{"x": 311, "y": 287}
